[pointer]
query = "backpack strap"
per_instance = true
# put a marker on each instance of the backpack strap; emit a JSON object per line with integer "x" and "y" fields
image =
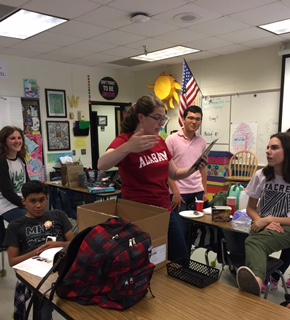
{"x": 61, "y": 256}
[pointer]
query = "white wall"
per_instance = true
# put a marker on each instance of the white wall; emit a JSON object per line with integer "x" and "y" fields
{"x": 252, "y": 70}
{"x": 246, "y": 71}
{"x": 72, "y": 79}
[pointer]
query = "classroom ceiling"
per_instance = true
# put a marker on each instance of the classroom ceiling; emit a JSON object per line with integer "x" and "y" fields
{"x": 99, "y": 33}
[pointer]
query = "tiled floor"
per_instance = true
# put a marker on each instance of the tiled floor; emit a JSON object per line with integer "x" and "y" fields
{"x": 7, "y": 284}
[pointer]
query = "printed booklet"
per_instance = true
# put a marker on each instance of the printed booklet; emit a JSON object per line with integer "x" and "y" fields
{"x": 39, "y": 265}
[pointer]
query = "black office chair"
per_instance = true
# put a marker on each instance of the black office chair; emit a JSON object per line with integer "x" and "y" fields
{"x": 208, "y": 238}
{"x": 2, "y": 249}
{"x": 233, "y": 254}
{"x": 69, "y": 207}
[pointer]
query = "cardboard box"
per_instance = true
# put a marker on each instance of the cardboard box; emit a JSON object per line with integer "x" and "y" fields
{"x": 221, "y": 213}
{"x": 154, "y": 220}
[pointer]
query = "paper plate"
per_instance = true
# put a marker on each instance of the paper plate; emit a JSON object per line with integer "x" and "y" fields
{"x": 190, "y": 214}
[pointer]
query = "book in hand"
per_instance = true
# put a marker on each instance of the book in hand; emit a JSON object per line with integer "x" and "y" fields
{"x": 205, "y": 154}
{"x": 39, "y": 265}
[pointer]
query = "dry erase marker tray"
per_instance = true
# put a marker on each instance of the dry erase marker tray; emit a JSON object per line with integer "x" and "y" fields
{"x": 193, "y": 272}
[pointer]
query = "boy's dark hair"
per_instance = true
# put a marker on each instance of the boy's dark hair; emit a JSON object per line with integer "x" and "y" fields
{"x": 34, "y": 186}
{"x": 193, "y": 109}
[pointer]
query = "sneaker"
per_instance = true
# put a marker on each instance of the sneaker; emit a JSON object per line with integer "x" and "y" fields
{"x": 288, "y": 283}
{"x": 273, "y": 286}
{"x": 247, "y": 281}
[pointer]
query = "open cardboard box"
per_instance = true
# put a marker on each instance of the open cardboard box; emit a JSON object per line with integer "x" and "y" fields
{"x": 152, "y": 219}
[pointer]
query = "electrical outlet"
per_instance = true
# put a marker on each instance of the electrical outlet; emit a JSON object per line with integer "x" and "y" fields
{"x": 71, "y": 115}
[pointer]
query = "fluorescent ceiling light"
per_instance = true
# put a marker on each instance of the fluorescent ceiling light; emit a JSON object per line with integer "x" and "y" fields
{"x": 278, "y": 27}
{"x": 24, "y": 24}
{"x": 165, "y": 54}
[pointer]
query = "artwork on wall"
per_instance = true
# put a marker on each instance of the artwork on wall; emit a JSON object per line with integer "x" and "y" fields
{"x": 55, "y": 103}
{"x": 58, "y": 135}
{"x": 102, "y": 121}
{"x": 31, "y": 88}
{"x": 33, "y": 138}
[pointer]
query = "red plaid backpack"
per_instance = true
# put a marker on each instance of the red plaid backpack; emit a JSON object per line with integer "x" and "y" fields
{"x": 107, "y": 265}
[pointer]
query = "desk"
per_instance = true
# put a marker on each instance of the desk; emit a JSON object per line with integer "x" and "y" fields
{"x": 206, "y": 220}
{"x": 104, "y": 196}
{"x": 173, "y": 300}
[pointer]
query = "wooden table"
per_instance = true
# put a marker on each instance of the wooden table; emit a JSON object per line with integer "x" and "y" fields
{"x": 104, "y": 195}
{"x": 173, "y": 300}
{"x": 206, "y": 219}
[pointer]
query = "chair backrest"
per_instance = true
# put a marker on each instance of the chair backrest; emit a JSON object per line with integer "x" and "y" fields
{"x": 66, "y": 205}
{"x": 243, "y": 164}
{"x": 54, "y": 198}
{"x": 233, "y": 247}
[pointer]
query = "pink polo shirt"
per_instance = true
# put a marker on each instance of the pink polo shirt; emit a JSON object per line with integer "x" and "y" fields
{"x": 185, "y": 152}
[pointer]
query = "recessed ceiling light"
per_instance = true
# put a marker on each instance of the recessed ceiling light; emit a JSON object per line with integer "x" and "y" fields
{"x": 165, "y": 53}
{"x": 278, "y": 27}
{"x": 24, "y": 24}
{"x": 186, "y": 17}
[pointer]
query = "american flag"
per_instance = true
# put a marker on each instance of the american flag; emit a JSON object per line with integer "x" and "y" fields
{"x": 190, "y": 89}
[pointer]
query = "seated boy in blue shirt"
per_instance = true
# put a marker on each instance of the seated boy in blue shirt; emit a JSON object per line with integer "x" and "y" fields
{"x": 26, "y": 238}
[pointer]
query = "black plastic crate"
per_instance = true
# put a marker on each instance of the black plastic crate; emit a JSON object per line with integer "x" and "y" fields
{"x": 193, "y": 272}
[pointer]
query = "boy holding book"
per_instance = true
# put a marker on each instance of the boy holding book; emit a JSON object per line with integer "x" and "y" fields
{"x": 27, "y": 236}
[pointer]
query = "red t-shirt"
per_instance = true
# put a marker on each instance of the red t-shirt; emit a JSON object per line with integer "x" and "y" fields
{"x": 145, "y": 174}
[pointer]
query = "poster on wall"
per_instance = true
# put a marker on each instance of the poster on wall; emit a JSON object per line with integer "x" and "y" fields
{"x": 33, "y": 138}
{"x": 108, "y": 88}
{"x": 243, "y": 137}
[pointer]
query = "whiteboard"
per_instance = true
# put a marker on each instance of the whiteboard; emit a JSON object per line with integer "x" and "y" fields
{"x": 262, "y": 108}
{"x": 216, "y": 119}
{"x": 220, "y": 113}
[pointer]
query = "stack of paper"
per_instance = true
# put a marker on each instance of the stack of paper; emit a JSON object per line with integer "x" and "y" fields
{"x": 39, "y": 265}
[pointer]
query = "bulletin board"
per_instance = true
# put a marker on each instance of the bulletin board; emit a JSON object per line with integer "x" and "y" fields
{"x": 223, "y": 113}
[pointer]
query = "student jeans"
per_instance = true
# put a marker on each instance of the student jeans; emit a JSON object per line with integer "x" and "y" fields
{"x": 178, "y": 229}
{"x": 260, "y": 245}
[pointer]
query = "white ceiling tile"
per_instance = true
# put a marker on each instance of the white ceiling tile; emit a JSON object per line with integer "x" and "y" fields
{"x": 100, "y": 31}
{"x": 36, "y": 46}
{"x": 218, "y": 26}
{"x": 107, "y": 17}
{"x": 209, "y": 43}
{"x": 79, "y": 29}
{"x": 118, "y": 37}
{"x": 150, "y": 28}
{"x": 62, "y": 8}
{"x": 201, "y": 15}
{"x": 151, "y": 43}
{"x": 230, "y": 49}
{"x": 54, "y": 38}
{"x": 92, "y": 46}
{"x": 264, "y": 14}
{"x": 230, "y": 6}
{"x": 181, "y": 36}
{"x": 151, "y": 7}
{"x": 244, "y": 35}
{"x": 6, "y": 42}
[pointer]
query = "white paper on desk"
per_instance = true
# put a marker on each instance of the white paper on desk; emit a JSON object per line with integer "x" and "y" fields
{"x": 38, "y": 266}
